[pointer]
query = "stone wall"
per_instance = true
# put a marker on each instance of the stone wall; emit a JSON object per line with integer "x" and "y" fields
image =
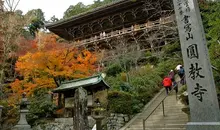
{"x": 61, "y": 124}
{"x": 116, "y": 121}
{"x": 54, "y": 126}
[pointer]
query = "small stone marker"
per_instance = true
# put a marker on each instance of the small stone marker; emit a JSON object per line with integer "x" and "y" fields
{"x": 204, "y": 109}
{"x": 80, "y": 119}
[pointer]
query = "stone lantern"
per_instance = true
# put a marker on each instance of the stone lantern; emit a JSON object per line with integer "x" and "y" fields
{"x": 98, "y": 113}
{"x": 22, "y": 124}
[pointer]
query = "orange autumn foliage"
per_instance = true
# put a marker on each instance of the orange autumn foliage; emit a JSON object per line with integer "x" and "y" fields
{"x": 51, "y": 61}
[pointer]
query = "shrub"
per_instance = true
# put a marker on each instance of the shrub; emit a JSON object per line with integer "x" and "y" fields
{"x": 10, "y": 113}
{"x": 171, "y": 48}
{"x": 114, "y": 82}
{"x": 145, "y": 82}
{"x": 41, "y": 106}
{"x": 123, "y": 102}
{"x": 113, "y": 70}
{"x": 164, "y": 67}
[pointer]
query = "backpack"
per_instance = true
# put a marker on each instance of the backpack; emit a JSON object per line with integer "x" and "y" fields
{"x": 181, "y": 71}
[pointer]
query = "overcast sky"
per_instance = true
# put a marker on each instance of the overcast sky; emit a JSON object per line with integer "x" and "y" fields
{"x": 50, "y": 7}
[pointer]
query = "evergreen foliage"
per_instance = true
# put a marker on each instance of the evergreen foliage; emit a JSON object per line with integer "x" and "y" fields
{"x": 211, "y": 21}
{"x": 37, "y": 20}
{"x": 41, "y": 106}
{"x": 81, "y": 8}
{"x": 123, "y": 102}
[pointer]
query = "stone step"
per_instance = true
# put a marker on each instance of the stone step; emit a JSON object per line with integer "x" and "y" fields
{"x": 157, "y": 117}
{"x": 167, "y": 125}
{"x": 150, "y": 123}
{"x": 174, "y": 119}
{"x": 160, "y": 113}
{"x": 156, "y": 129}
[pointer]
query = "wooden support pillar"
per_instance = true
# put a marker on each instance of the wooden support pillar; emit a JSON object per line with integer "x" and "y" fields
{"x": 59, "y": 100}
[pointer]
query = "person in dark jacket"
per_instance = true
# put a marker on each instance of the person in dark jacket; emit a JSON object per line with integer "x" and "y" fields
{"x": 181, "y": 73}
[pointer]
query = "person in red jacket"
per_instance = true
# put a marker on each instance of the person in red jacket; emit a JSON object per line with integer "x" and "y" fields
{"x": 167, "y": 83}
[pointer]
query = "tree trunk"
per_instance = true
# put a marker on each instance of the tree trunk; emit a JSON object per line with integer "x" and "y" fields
{"x": 1, "y": 83}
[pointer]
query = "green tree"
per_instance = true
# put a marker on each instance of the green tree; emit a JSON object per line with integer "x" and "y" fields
{"x": 37, "y": 20}
{"x": 211, "y": 21}
{"x": 36, "y": 14}
{"x": 80, "y": 7}
{"x": 74, "y": 10}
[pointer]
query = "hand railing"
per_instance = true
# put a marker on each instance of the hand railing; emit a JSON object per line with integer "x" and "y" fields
{"x": 161, "y": 102}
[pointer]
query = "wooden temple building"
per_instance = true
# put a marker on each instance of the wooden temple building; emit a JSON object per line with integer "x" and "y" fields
{"x": 122, "y": 27}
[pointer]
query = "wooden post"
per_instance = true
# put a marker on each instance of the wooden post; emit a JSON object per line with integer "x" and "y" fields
{"x": 59, "y": 100}
{"x": 144, "y": 124}
{"x": 163, "y": 108}
{"x": 80, "y": 118}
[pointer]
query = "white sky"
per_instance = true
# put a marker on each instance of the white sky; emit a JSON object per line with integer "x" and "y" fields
{"x": 50, "y": 7}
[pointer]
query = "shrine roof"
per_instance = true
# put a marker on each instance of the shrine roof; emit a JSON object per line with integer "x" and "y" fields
{"x": 59, "y": 26}
{"x": 85, "y": 82}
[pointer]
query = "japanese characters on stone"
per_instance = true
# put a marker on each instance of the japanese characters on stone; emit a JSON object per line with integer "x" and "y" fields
{"x": 192, "y": 49}
{"x": 199, "y": 91}
{"x": 195, "y": 71}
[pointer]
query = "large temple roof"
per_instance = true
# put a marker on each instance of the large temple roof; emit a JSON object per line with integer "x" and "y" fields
{"x": 95, "y": 13}
{"x": 62, "y": 27}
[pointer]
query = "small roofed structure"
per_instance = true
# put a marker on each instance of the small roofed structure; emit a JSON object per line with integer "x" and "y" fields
{"x": 95, "y": 86}
{"x": 91, "y": 84}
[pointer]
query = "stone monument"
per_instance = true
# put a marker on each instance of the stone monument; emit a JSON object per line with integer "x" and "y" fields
{"x": 22, "y": 124}
{"x": 80, "y": 118}
{"x": 204, "y": 108}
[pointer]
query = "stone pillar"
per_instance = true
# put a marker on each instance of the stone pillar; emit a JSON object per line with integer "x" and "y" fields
{"x": 1, "y": 108}
{"x": 80, "y": 118}
{"x": 99, "y": 124}
{"x": 204, "y": 108}
{"x": 22, "y": 124}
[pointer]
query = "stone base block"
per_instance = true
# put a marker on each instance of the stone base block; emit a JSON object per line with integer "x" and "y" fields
{"x": 22, "y": 127}
{"x": 203, "y": 126}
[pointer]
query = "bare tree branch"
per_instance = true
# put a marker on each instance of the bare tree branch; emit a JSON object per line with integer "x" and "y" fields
{"x": 11, "y": 5}
{"x": 16, "y": 5}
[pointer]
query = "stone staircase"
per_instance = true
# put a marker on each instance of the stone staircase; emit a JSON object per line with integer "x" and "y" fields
{"x": 174, "y": 118}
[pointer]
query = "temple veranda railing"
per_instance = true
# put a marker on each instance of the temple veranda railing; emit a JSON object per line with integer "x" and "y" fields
{"x": 125, "y": 31}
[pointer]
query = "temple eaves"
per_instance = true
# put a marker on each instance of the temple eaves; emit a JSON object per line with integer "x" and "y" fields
{"x": 115, "y": 16}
